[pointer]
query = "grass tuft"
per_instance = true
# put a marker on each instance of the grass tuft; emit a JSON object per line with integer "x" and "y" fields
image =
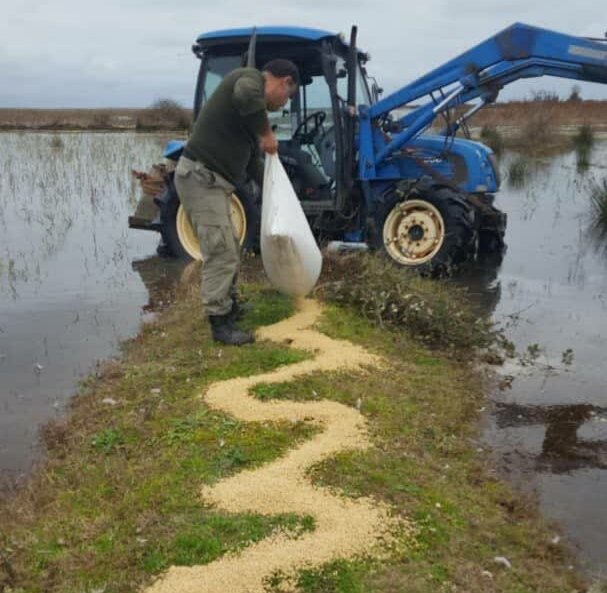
{"x": 598, "y": 205}
{"x": 518, "y": 171}
{"x": 584, "y": 138}
{"x": 583, "y": 143}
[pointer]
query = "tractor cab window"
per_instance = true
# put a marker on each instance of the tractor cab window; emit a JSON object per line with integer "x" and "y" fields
{"x": 216, "y": 68}
{"x": 306, "y": 141}
{"x": 362, "y": 92}
{"x": 314, "y": 132}
{"x": 281, "y": 122}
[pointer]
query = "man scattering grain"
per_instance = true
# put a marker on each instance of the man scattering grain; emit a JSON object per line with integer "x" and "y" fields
{"x": 222, "y": 152}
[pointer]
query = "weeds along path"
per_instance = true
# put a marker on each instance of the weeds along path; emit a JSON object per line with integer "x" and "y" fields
{"x": 344, "y": 527}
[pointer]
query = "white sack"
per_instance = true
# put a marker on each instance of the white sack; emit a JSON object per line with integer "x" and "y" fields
{"x": 289, "y": 252}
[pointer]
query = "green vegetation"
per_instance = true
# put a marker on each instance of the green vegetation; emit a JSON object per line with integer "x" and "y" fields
{"x": 117, "y": 500}
{"x": 518, "y": 171}
{"x": 598, "y": 205}
{"x": 583, "y": 143}
{"x": 584, "y": 138}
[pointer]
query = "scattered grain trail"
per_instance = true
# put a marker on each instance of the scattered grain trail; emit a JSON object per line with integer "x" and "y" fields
{"x": 344, "y": 528}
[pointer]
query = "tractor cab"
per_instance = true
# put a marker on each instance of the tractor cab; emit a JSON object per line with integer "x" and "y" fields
{"x": 312, "y": 129}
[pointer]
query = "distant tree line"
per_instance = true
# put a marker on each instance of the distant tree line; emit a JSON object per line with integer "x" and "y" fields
{"x": 553, "y": 97}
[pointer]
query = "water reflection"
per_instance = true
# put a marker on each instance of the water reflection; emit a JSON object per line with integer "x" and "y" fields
{"x": 563, "y": 449}
{"x": 549, "y": 429}
{"x": 70, "y": 199}
{"x": 597, "y": 217}
{"x": 162, "y": 278}
{"x": 68, "y": 293}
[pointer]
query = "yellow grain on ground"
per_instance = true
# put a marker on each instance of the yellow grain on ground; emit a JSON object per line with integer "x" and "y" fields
{"x": 344, "y": 528}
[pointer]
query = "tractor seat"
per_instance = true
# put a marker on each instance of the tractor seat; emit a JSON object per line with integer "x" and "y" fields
{"x": 308, "y": 181}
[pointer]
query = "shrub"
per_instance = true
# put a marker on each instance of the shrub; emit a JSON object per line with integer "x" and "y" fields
{"x": 575, "y": 93}
{"x": 433, "y": 312}
{"x": 164, "y": 113}
{"x": 547, "y": 96}
{"x": 101, "y": 121}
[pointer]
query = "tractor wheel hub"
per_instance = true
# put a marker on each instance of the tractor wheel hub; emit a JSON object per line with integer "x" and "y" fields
{"x": 413, "y": 232}
{"x": 188, "y": 237}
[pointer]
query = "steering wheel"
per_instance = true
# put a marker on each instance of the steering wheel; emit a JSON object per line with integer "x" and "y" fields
{"x": 315, "y": 121}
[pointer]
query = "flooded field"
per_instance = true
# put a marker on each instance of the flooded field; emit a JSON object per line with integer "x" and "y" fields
{"x": 549, "y": 423}
{"x": 74, "y": 281}
{"x": 68, "y": 289}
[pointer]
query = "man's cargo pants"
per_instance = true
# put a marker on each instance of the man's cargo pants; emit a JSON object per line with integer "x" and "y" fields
{"x": 206, "y": 196}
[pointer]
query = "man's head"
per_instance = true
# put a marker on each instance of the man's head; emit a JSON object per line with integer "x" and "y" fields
{"x": 281, "y": 83}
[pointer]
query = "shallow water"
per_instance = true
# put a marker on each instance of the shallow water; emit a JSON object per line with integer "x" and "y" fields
{"x": 68, "y": 289}
{"x": 549, "y": 427}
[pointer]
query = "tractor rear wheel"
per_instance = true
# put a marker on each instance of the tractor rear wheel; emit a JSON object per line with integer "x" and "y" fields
{"x": 178, "y": 234}
{"x": 431, "y": 228}
{"x": 491, "y": 224}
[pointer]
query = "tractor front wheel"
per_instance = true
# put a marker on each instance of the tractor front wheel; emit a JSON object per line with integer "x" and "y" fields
{"x": 178, "y": 234}
{"x": 431, "y": 228}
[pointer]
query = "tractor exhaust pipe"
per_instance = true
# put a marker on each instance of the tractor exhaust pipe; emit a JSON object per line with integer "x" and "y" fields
{"x": 352, "y": 68}
{"x": 350, "y": 113}
{"x": 251, "y": 51}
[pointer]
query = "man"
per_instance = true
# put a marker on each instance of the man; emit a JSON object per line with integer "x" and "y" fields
{"x": 222, "y": 152}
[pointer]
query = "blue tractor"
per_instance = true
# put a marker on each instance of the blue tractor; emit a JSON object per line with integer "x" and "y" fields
{"x": 366, "y": 168}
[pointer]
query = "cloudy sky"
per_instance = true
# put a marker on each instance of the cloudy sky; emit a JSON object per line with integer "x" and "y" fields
{"x": 127, "y": 53}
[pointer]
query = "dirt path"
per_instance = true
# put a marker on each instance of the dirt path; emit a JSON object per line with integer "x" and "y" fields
{"x": 343, "y": 527}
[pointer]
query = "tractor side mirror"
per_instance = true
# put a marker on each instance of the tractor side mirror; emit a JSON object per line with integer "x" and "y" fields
{"x": 377, "y": 91}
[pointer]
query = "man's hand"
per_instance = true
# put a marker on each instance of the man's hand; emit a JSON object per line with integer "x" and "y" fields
{"x": 268, "y": 143}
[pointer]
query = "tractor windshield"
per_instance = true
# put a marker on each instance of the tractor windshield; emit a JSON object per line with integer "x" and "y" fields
{"x": 216, "y": 67}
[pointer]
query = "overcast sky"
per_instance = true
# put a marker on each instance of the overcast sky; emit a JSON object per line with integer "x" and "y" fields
{"x": 127, "y": 53}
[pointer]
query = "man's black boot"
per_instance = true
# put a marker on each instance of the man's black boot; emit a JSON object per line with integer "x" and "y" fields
{"x": 239, "y": 309}
{"x": 223, "y": 331}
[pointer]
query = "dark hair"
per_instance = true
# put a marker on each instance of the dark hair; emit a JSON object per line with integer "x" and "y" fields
{"x": 281, "y": 68}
